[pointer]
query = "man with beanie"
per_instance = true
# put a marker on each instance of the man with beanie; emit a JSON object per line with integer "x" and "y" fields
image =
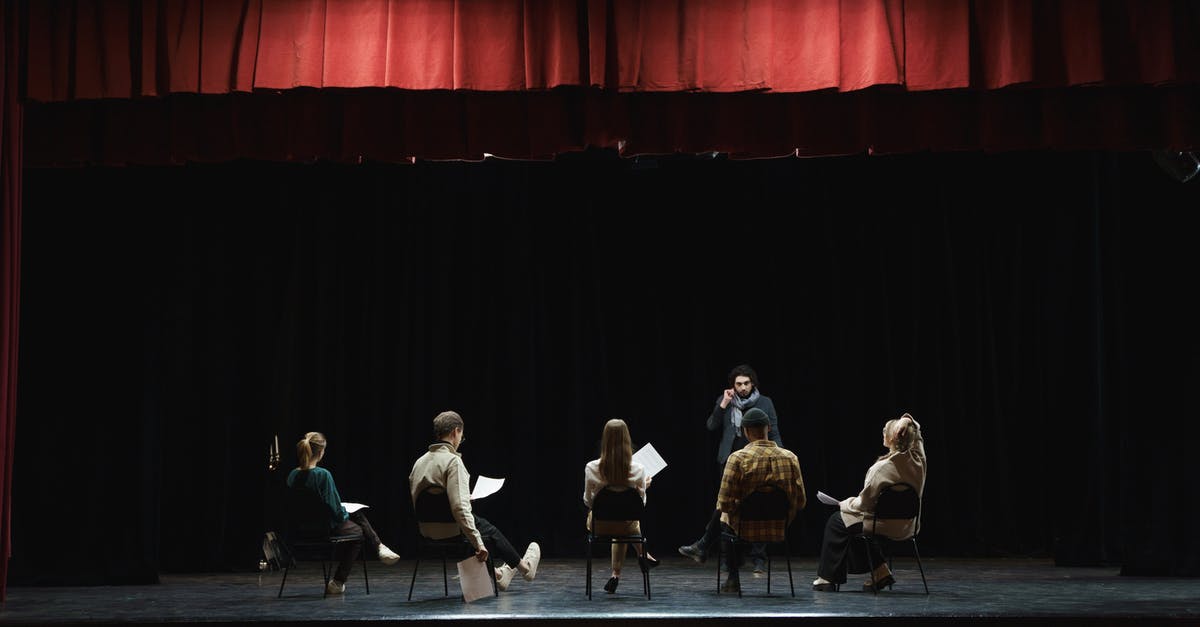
{"x": 760, "y": 462}
{"x": 741, "y": 396}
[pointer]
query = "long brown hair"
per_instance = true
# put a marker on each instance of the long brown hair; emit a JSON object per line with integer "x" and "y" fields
{"x": 311, "y": 446}
{"x": 616, "y": 451}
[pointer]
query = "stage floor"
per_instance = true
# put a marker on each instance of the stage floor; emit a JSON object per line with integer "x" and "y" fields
{"x": 981, "y": 591}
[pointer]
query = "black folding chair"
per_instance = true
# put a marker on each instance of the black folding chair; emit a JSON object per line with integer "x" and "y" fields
{"x": 434, "y": 507}
{"x": 612, "y": 504}
{"x": 307, "y": 536}
{"x": 899, "y": 501}
{"x": 765, "y": 503}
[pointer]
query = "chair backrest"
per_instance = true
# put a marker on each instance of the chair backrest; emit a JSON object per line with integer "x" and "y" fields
{"x": 307, "y": 514}
{"x": 766, "y": 502}
{"x": 433, "y": 507}
{"x": 898, "y": 501}
{"x": 617, "y": 503}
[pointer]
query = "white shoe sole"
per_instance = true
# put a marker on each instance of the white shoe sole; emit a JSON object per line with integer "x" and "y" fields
{"x": 533, "y": 555}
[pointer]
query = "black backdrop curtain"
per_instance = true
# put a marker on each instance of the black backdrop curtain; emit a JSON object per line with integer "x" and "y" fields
{"x": 1026, "y": 307}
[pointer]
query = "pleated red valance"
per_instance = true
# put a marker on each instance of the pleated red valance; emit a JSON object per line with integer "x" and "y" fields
{"x": 82, "y": 49}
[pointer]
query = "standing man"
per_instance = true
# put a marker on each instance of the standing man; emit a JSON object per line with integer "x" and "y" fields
{"x": 741, "y": 396}
{"x": 441, "y": 469}
{"x": 761, "y": 462}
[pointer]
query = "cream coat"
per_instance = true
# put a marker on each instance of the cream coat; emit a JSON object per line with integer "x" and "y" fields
{"x": 442, "y": 467}
{"x": 896, "y": 467}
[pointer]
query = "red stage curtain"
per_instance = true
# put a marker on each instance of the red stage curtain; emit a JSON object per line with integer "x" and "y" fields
{"x": 104, "y": 49}
{"x": 10, "y": 266}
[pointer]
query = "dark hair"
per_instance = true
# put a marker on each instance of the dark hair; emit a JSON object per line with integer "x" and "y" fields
{"x": 743, "y": 371}
{"x": 446, "y": 422}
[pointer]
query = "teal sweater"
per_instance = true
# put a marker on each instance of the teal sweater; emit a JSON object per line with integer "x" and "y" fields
{"x": 320, "y": 481}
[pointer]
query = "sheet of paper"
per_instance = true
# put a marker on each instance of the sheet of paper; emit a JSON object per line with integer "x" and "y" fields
{"x": 474, "y": 579}
{"x": 826, "y": 499}
{"x": 353, "y": 507}
{"x": 485, "y": 486}
{"x": 648, "y": 457}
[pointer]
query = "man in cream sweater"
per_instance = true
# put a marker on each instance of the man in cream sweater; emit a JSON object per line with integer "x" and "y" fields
{"x": 441, "y": 470}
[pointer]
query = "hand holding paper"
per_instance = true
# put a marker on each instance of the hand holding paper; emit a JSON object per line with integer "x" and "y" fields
{"x": 650, "y": 459}
{"x": 353, "y": 507}
{"x": 826, "y": 499}
{"x": 474, "y": 578}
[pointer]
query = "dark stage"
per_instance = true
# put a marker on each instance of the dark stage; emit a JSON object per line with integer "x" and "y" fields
{"x": 995, "y": 591}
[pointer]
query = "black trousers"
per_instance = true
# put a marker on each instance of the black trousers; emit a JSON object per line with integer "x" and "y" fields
{"x": 346, "y": 552}
{"x": 496, "y": 542}
{"x": 841, "y": 552}
{"x": 712, "y": 535}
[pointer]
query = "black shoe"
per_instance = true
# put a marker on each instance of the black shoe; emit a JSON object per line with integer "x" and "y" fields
{"x": 647, "y": 562}
{"x": 886, "y": 582}
{"x": 825, "y": 587}
{"x": 611, "y": 586}
{"x": 732, "y": 584}
{"x": 693, "y": 551}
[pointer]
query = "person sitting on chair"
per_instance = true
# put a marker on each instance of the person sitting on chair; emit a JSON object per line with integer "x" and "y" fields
{"x": 309, "y": 451}
{"x": 758, "y": 463}
{"x": 903, "y": 463}
{"x": 615, "y": 467}
{"x": 442, "y": 468}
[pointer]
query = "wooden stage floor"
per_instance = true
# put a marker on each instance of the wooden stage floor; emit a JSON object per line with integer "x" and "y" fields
{"x": 961, "y": 591}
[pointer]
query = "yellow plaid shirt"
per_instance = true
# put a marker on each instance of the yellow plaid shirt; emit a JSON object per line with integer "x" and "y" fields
{"x": 760, "y": 462}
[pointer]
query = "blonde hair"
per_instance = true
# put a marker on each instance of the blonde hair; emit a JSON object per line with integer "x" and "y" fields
{"x": 616, "y": 451}
{"x": 311, "y": 446}
{"x": 904, "y": 436}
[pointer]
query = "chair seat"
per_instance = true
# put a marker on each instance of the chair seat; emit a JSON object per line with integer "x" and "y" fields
{"x": 454, "y": 542}
{"x": 431, "y": 506}
{"x": 899, "y": 501}
{"x": 308, "y": 535}
{"x": 613, "y": 504}
{"x": 765, "y": 503}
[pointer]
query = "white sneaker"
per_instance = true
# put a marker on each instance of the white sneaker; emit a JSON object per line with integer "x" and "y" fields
{"x": 504, "y": 576}
{"x": 533, "y": 555}
{"x": 387, "y": 556}
{"x": 334, "y": 587}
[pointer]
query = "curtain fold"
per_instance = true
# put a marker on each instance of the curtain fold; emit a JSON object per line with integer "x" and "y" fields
{"x": 395, "y": 125}
{"x": 11, "y": 116}
{"x": 96, "y": 49}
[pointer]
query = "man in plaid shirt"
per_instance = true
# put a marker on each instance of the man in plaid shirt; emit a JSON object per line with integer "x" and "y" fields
{"x": 759, "y": 463}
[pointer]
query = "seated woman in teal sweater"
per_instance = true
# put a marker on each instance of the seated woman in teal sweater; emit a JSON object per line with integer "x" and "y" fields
{"x": 310, "y": 450}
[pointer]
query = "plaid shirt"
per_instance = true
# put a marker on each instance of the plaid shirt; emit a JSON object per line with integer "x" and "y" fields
{"x": 760, "y": 462}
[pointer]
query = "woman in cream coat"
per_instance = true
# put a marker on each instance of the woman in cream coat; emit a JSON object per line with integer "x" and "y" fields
{"x": 903, "y": 463}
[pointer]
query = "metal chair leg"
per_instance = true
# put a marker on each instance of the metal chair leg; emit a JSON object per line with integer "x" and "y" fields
{"x": 491, "y": 563}
{"x": 720, "y": 550}
{"x": 871, "y": 565}
{"x": 445, "y": 579}
{"x": 588, "y": 587}
{"x": 284, "y": 581}
{"x": 414, "y": 575}
{"x": 787, "y": 554}
{"x": 646, "y": 571}
{"x": 366, "y": 582}
{"x": 918, "y": 554}
{"x": 768, "y": 572}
